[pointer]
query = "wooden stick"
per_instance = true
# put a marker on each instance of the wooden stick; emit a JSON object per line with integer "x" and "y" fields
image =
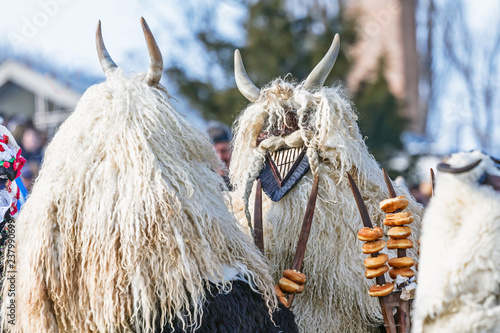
{"x": 304, "y": 232}
{"x": 392, "y": 193}
{"x": 387, "y": 303}
{"x": 258, "y": 232}
{"x": 306, "y": 227}
{"x": 364, "y": 216}
{"x": 404, "y": 316}
{"x": 359, "y": 201}
{"x": 388, "y": 183}
{"x": 403, "y": 321}
{"x": 433, "y": 181}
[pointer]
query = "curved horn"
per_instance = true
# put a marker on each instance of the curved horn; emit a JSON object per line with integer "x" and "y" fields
{"x": 445, "y": 167}
{"x": 433, "y": 182}
{"x": 156, "y": 66}
{"x": 496, "y": 160}
{"x": 245, "y": 86}
{"x": 106, "y": 62}
{"x": 323, "y": 68}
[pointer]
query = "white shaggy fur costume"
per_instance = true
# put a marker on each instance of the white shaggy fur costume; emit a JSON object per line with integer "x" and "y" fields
{"x": 459, "y": 268}
{"x": 335, "y": 297}
{"x": 127, "y": 223}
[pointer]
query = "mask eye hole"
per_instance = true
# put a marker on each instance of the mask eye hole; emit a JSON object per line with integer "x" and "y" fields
{"x": 482, "y": 179}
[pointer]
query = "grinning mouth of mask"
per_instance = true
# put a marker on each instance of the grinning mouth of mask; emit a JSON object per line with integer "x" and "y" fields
{"x": 286, "y": 160}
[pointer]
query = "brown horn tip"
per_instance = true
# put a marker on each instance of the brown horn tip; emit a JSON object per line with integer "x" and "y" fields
{"x": 106, "y": 62}
{"x": 156, "y": 66}
{"x": 363, "y": 211}
{"x": 433, "y": 181}
{"x": 388, "y": 184}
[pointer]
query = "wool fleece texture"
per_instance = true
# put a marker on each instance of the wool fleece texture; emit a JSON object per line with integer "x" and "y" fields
{"x": 459, "y": 269}
{"x": 335, "y": 297}
{"x": 127, "y": 225}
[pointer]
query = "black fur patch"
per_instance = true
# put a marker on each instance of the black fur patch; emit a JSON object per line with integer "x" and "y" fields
{"x": 240, "y": 311}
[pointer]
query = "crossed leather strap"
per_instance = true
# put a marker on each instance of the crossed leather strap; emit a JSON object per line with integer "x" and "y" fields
{"x": 293, "y": 280}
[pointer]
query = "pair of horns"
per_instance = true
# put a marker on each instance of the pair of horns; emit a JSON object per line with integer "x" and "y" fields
{"x": 315, "y": 79}
{"x": 156, "y": 66}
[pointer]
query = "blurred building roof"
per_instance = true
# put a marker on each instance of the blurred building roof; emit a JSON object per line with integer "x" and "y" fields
{"x": 42, "y": 85}
{"x": 26, "y": 93}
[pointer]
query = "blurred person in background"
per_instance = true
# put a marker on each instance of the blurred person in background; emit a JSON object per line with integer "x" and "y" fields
{"x": 220, "y": 137}
{"x": 32, "y": 144}
{"x": 3, "y": 119}
{"x": 422, "y": 192}
{"x": 31, "y": 141}
{"x": 17, "y": 125}
{"x": 25, "y": 182}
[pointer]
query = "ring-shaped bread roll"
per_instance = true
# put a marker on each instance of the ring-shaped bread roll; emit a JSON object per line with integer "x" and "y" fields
{"x": 295, "y": 276}
{"x": 399, "y": 232}
{"x": 375, "y": 262}
{"x": 283, "y": 301}
{"x": 383, "y": 290}
{"x": 370, "y": 234}
{"x": 372, "y": 247}
{"x": 278, "y": 291}
{"x": 404, "y": 272}
{"x": 393, "y": 204}
{"x": 401, "y": 218}
{"x": 404, "y": 243}
{"x": 401, "y": 262}
{"x": 375, "y": 272}
{"x": 289, "y": 286}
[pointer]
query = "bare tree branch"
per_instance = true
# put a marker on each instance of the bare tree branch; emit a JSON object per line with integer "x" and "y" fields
{"x": 477, "y": 64}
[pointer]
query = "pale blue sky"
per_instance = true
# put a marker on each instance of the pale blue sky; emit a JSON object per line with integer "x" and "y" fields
{"x": 64, "y": 31}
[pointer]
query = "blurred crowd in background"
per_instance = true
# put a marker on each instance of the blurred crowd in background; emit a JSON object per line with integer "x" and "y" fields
{"x": 32, "y": 141}
{"x": 422, "y": 75}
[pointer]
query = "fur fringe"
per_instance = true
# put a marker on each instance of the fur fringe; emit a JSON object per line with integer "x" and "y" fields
{"x": 459, "y": 271}
{"x": 335, "y": 298}
{"x": 126, "y": 221}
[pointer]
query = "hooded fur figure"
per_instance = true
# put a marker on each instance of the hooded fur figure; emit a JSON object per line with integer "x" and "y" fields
{"x": 11, "y": 163}
{"x": 323, "y": 120}
{"x": 459, "y": 269}
{"x": 126, "y": 229}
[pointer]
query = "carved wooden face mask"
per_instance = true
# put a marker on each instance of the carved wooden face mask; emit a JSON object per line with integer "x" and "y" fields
{"x": 286, "y": 159}
{"x": 282, "y": 171}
